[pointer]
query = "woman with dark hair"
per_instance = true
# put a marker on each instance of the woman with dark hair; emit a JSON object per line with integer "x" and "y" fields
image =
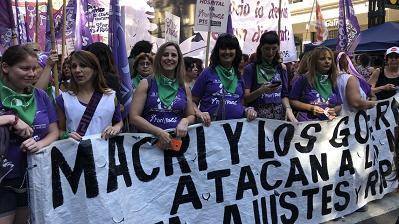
{"x": 385, "y": 81}
{"x": 219, "y": 90}
{"x": 142, "y": 68}
{"x": 65, "y": 74}
{"x": 192, "y": 70}
{"x": 33, "y": 122}
{"x": 266, "y": 82}
{"x": 164, "y": 101}
{"x": 364, "y": 67}
{"x": 108, "y": 67}
{"x": 315, "y": 94}
{"x": 89, "y": 107}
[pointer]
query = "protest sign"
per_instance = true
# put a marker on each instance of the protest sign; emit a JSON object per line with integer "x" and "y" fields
{"x": 172, "y": 27}
{"x": 251, "y": 18}
{"x": 264, "y": 171}
{"x": 213, "y": 12}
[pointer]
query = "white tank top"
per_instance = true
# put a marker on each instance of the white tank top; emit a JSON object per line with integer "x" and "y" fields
{"x": 342, "y": 82}
{"x": 102, "y": 117}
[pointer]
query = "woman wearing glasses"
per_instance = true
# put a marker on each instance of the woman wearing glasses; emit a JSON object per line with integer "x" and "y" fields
{"x": 219, "y": 90}
{"x": 142, "y": 68}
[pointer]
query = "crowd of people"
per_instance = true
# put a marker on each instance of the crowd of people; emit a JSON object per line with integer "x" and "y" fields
{"x": 171, "y": 92}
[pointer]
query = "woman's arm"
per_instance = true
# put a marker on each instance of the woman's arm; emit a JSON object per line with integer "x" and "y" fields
{"x": 44, "y": 78}
{"x": 373, "y": 82}
{"x": 204, "y": 116}
{"x": 353, "y": 95}
{"x": 252, "y": 96}
{"x": 32, "y": 146}
{"x": 20, "y": 127}
{"x": 306, "y": 107}
{"x": 182, "y": 127}
{"x": 288, "y": 110}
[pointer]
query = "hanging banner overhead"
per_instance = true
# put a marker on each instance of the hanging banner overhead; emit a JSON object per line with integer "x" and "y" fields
{"x": 264, "y": 171}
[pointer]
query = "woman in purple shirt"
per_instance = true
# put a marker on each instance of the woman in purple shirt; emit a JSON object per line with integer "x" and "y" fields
{"x": 315, "y": 94}
{"x": 34, "y": 126}
{"x": 219, "y": 90}
{"x": 164, "y": 101}
{"x": 266, "y": 82}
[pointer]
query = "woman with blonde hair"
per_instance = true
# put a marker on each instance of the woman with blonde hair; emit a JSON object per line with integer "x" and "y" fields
{"x": 164, "y": 101}
{"x": 315, "y": 95}
{"x": 89, "y": 107}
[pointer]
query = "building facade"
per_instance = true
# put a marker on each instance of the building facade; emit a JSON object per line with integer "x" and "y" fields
{"x": 301, "y": 16}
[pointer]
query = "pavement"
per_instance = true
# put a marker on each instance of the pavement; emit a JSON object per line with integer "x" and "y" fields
{"x": 383, "y": 211}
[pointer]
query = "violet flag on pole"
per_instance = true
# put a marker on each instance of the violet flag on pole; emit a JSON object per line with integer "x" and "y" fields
{"x": 6, "y": 24}
{"x": 82, "y": 31}
{"x": 117, "y": 43}
{"x": 21, "y": 27}
{"x": 348, "y": 28}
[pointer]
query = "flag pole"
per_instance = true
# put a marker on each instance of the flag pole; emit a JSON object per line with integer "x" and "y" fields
{"x": 37, "y": 22}
{"x": 279, "y": 18}
{"x": 53, "y": 45}
{"x": 310, "y": 19}
{"x": 208, "y": 39}
{"x": 63, "y": 41}
{"x": 13, "y": 28}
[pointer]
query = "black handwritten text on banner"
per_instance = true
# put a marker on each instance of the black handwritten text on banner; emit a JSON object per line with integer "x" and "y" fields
{"x": 263, "y": 171}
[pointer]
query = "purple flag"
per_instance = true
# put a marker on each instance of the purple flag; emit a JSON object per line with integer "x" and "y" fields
{"x": 21, "y": 27}
{"x": 348, "y": 28}
{"x": 6, "y": 24}
{"x": 229, "y": 25}
{"x": 118, "y": 46}
{"x": 82, "y": 31}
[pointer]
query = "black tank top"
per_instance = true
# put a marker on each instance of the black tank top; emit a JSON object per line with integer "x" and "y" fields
{"x": 383, "y": 80}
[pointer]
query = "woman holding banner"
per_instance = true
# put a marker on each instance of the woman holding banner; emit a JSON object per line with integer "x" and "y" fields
{"x": 33, "y": 124}
{"x": 315, "y": 94}
{"x": 79, "y": 109}
{"x": 385, "y": 81}
{"x": 219, "y": 90}
{"x": 266, "y": 82}
{"x": 164, "y": 101}
{"x": 352, "y": 86}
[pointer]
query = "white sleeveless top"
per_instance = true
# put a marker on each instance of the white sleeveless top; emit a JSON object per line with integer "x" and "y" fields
{"x": 102, "y": 117}
{"x": 342, "y": 82}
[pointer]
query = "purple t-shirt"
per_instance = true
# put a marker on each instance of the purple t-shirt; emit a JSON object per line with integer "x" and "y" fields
{"x": 210, "y": 91}
{"x": 158, "y": 114}
{"x": 115, "y": 119}
{"x": 302, "y": 91}
{"x": 250, "y": 80}
{"x": 45, "y": 115}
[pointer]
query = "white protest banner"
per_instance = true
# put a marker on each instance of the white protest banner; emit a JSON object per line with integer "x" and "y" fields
{"x": 172, "y": 27}
{"x": 215, "y": 11}
{"x": 264, "y": 171}
{"x": 251, "y": 18}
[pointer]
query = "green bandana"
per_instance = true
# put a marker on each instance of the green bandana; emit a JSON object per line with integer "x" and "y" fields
{"x": 323, "y": 86}
{"x": 136, "y": 80}
{"x": 265, "y": 72}
{"x": 23, "y": 104}
{"x": 167, "y": 89}
{"x": 228, "y": 78}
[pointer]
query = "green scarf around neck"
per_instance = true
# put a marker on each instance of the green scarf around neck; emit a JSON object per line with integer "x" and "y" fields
{"x": 265, "y": 72}
{"x": 136, "y": 80}
{"x": 23, "y": 104}
{"x": 167, "y": 89}
{"x": 323, "y": 86}
{"x": 228, "y": 78}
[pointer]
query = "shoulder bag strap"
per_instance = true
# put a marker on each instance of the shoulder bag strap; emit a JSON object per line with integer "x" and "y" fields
{"x": 88, "y": 114}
